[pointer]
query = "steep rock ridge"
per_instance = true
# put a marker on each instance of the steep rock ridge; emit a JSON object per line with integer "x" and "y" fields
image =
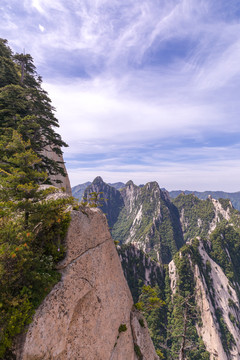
{"x": 216, "y": 298}
{"x": 233, "y": 197}
{"x": 172, "y": 276}
{"x": 220, "y": 213}
{"x": 149, "y": 221}
{"x": 112, "y": 203}
{"x": 82, "y": 316}
{"x": 139, "y": 269}
{"x": 78, "y": 190}
{"x": 64, "y": 180}
{"x": 209, "y": 330}
{"x": 200, "y": 217}
{"x": 221, "y": 295}
{"x": 130, "y": 194}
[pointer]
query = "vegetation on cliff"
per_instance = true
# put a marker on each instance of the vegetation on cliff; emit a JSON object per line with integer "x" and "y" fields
{"x": 151, "y": 227}
{"x": 219, "y": 195}
{"x": 26, "y": 108}
{"x": 172, "y": 316}
{"x": 33, "y": 221}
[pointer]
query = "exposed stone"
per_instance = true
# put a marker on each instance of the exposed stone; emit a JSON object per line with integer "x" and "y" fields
{"x": 219, "y": 211}
{"x": 223, "y": 291}
{"x": 65, "y": 183}
{"x": 140, "y": 334}
{"x": 173, "y": 276}
{"x": 80, "y": 318}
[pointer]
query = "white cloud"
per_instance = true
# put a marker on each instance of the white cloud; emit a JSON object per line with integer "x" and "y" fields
{"x": 41, "y": 28}
{"x": 143, "y": 87}
{"x": 221, "y": 68}
{"x": 44, "y": 6}
{"x": 37, "y": 4}
{"x": 101, "y": 111}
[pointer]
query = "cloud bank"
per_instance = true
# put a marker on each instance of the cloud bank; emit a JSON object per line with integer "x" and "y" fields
{"x": 143, "y": 89}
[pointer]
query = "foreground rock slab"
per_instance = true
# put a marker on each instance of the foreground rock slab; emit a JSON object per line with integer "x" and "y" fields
{"x": 81, "y": 317}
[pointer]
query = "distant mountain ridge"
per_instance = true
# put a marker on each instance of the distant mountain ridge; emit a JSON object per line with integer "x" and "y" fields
{"x": 78, "y": 190}
{"x": 143, "y": 216}
{"x": 234, "y": 197}
{"x": 148, "y": 218}
{"x": 185, "y": 253}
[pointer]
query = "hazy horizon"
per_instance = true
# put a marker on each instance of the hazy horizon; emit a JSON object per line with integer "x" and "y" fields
{"x": 162, "y": 187}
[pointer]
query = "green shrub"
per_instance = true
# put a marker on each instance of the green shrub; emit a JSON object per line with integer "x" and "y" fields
{"x": 138, "y": 352}
{"x": 122, "y": 328}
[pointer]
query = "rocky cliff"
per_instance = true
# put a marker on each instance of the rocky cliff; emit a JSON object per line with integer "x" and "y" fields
{"x": 58, "y": 180}
{"x": 139, "y": 269}
{"x": 89, "y": 314}
{"x": 200, "y": 217}
{"x": 199, "y": 290}
{"x": 143, "y": 216}
{"x": 212, "y": 267}
{"x": 221, "y": 334}
{"x": 112, "y": 201}
{"x": 233, "y": 197}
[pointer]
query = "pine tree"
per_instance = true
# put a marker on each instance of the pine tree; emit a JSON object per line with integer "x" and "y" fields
{"x": 26, "y": 107}
{"x": 32, "y": 229}
{"x": 8, "y": 70}
{"x": 32, "y": 226}
{"x": 20, "y": 180}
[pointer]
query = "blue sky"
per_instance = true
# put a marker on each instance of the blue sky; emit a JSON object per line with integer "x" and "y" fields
{"x": 147, "y": 90}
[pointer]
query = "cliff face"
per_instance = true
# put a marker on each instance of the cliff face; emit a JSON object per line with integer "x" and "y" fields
{"x": 143, "y": 216}
{"x": 220, "y": 297}
{"x": 65, "y": 182}
{"x": 215, "y": 296}
{"x": 233, "y": 197}
{"x": 88, "y": 314}
{"x": 200, "y": 217}
{"x": 112, "y": 202}
{"x": 139, "y": 269}
{"x": 152, "y": 221}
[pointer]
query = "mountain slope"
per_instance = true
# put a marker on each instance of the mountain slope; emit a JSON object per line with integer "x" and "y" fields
{"x": 192, "y": 304}
{"x": 139, "y": 269}
{"x": 200, "y": 217}
{"x": 112, "y": 202}
{"x": 233, "y": 197}
{"x": 78, "y": 190}
{"x": 214, "y": 265}
{"x": 143, "y": 216}
{"x": 149, "y": 220}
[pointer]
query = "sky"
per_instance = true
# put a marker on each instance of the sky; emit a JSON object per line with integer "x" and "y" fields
{"x": 147, "y": 90}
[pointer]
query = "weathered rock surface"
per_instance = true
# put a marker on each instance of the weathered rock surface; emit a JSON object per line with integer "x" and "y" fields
{"x": 112, "y": 202}
{"x": 80, "y": 318}
{"x": 65, "y": 182}
{"x": 220, "y": 297}
{"x": 149, "y": 221}
{"x": 137, "y": 266}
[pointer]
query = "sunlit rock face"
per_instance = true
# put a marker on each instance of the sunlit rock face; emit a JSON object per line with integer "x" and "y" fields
{"x": 59, "y": 180}
{"x": 82, "y": 316}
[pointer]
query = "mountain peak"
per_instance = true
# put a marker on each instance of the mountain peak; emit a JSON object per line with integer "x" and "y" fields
{"x": 98, "y": 180}
{"x": 129, "y": 183}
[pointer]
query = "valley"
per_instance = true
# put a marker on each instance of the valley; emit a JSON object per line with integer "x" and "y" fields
{"x": 181, "y": 258}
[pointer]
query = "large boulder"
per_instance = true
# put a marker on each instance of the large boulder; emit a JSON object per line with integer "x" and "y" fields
{"x": 88, "y": 315}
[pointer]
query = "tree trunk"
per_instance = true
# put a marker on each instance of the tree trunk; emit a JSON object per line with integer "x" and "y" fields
{"x": 22, "y": 71}
{"x": 182, "y": 349}
{"x": 26, "y": 219}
